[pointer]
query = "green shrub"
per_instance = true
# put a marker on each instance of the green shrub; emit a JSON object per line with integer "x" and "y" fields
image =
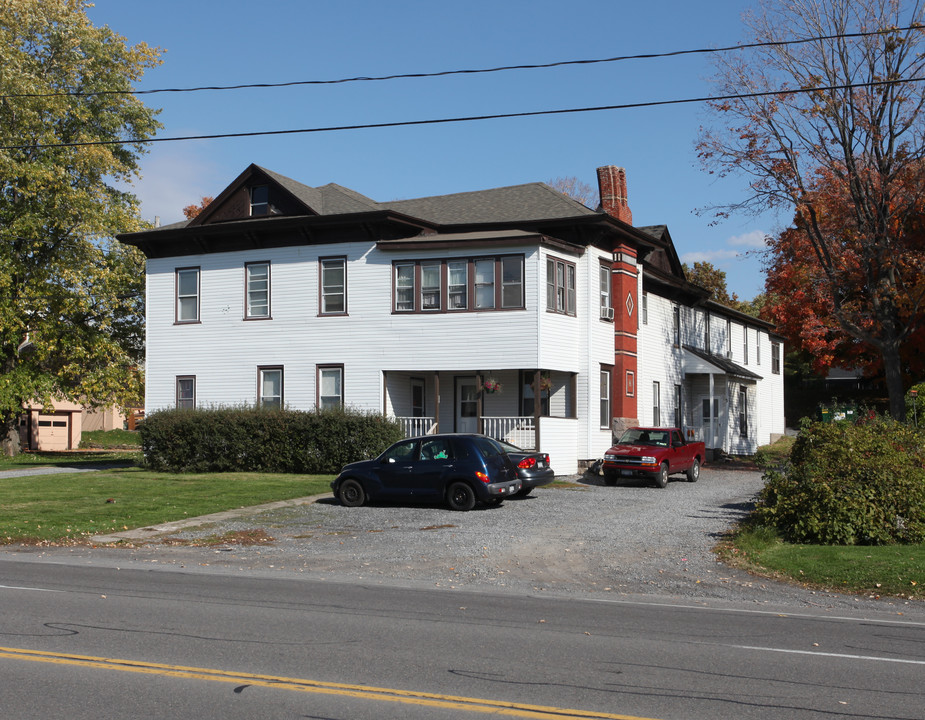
{"x": 849, "y": 484}
{"x": 225, "y": 439}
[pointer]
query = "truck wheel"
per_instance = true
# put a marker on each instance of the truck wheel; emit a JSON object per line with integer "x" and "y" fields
{"x": 661, "y": 478}
{"x": 693, "y": 472}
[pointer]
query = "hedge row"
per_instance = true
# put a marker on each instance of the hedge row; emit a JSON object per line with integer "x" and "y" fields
{"x": 251, "y": 439}
{"x": 847, "y": 484}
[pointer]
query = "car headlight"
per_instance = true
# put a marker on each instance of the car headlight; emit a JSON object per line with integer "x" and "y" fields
{"x": 611, "y": 458}
{"x": 647, "y": 460}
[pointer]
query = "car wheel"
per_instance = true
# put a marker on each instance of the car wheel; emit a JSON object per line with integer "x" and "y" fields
{"x": 460, "y": 496}
{"x": 661, "y": 479}
{"x": 351, "y": 493}
{"x": 693, "y": 472}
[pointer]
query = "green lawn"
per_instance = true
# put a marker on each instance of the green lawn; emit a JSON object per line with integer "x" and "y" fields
{"x": 895, "y": 570}
{"x": 71, "y": 507}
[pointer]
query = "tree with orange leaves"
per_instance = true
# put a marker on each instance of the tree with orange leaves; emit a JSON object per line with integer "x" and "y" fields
{"x": 832, "y": 127}
{"x": 191, "y": 211}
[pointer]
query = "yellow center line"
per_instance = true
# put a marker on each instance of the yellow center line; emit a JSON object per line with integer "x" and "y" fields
{"x": 408, "y": 697}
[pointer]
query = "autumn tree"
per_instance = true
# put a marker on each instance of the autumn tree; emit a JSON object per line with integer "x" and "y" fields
{"x": 708, "y": 276}
{"x": 191, "y": 211}
{"x": 71, "y": 297}
{"x": 575, "y": 189}
{"x": 837, "y": 113}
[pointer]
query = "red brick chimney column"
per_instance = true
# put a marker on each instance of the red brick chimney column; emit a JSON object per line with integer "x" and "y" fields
{"x": 611, "y": 182}
{"x": 623, "y": 284}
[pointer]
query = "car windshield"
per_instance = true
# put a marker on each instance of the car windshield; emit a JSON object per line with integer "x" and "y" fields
{"x": 640, "y": 436}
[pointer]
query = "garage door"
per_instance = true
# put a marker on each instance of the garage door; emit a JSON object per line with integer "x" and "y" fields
{"x": 54, "y": 431}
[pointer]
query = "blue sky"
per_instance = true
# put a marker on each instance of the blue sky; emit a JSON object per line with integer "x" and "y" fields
{"x": 233, "y": 42}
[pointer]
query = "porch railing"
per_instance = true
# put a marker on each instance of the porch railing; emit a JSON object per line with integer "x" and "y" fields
{"x": 414, "y": 426}
{"x": 518, "y": 431}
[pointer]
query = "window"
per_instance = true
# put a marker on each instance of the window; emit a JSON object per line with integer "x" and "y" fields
{"x": 404, "y": 287}
{"x": 745, "y": 345}
{"x": 757, "y": 347}
{"x": 186, "y": 392}
{"x": 743, "y": 411}
{"x": 775, "y": 358}
{"x": 333, "y": 286}
{"x": 706, "y": 332}
{"x": 458, "y": 285}
{"x": 484, "y": 284}
{"x": 678, "y": 407}
{"x": 257, "y": 279}
{"x": 270, "y": 387}
{"x": 645, "y": 309}
{"x": 630, "y": 383}
{"x": 729, "y": 338}
{"x": 560, "y": 286}
{"x": 260, "y": 200}
{"x": 676, "y": 325}
{"x": 187, "y": 283}
{"x": 450, "y": 285}
{"x": 417, "y": 397}
{"x": 656, "y": 405}
{"x": 528, "y": 394}
{"x": 330, "y": 386}
{"x": 512, "y": 282}
{"x": 606, "y": 303}
{"x": 430, "y": 286}
{"x": 605, "y": 397}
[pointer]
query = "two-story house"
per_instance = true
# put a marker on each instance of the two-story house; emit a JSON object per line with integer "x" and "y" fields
{"x": 513, "y": 311}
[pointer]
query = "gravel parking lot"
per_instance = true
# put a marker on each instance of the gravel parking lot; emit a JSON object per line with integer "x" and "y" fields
{"x": 585, "y": 539}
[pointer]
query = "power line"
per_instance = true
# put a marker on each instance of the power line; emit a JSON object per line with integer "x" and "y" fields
{"x": 446, "y": 73}
{"x": 470, "y": 118}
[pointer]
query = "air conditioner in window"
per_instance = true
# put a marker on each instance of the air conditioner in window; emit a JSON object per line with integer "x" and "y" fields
{"x": 606, "y": 313}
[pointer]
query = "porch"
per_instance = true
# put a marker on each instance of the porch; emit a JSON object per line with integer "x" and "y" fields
{"x": 533, "y": 409}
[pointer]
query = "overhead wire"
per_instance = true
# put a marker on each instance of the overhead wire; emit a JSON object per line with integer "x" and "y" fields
{"x": 446, "y": 73}
{"x": 468, "y": 118}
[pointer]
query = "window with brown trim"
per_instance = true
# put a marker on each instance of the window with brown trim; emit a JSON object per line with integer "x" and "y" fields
{"x": 187, "y": 299}
{"x": 330, "y": 383}
{"x": 186, "y": 391}
{"x": 560, "y": 286}
{"x": 485, "y": 283}
{"x": 257, "y": 291}
{"x": 333, "y": 286}
{"x": 270, "y": 387}
{"x": 606, "y": 373}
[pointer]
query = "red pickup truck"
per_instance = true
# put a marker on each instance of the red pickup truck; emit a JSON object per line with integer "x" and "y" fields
{"x": 655, "y": 453}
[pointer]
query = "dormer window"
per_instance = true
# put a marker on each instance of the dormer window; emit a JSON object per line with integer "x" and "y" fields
{"x": 260, "y": 200}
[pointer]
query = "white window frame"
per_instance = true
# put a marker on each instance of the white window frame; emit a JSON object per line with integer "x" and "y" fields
{"x": 656, "y": 404}
{"x": 484, "y": 286}
{"x": 431, "y": 286}
{"x": 186, "y": 391}
{"x": 606, "y": 407}
{"x": 457, "y": 292}
{"x": 274, "y": 398}
{"x": 329, "y": 397}
{"x": 512, "y": 285}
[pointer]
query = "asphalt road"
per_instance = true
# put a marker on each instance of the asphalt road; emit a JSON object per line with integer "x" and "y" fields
{"x": 89, "y": 642}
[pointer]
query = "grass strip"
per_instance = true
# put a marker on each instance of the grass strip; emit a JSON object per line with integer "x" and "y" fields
{"x": 71, "y": 507}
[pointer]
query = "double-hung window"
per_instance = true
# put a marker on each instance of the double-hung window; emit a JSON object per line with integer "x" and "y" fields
{"x": 707, "y": 345}
{"x": 431, "y": 285}
{"x": 745, "y": 345}
{"x": 656, "y": 405}
{"x": 187, "y": 284}
{"x": 186, "y": 392}
{"x": 260, "y": 200}
{"x": 333, "y": 286}
{"x": 404, "y": 287}
{"x": 605, "y": 396}
{"x": 457, "y": 284}
{"x": 606, "y": 302}
{"x": 257, "y": 301}
{"x": 775, "y": 358}
{"x": 676, "y": 325}
{"x": 330, "y": 386}
{"x": 678, "y": 406}
{"x": 560, "y": 286}
{"x": 485, "y": 284}
{"x": 270, "y": 387}
{"x": 743, "y": 411}
{"x": 512, "y": 281}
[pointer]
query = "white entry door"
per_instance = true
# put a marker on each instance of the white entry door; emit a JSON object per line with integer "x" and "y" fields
{"x": 711, "y": 428}
{"x": 467, "y": 405}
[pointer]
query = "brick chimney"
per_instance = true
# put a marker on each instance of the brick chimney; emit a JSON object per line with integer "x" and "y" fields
{"x": 611, "y": 182}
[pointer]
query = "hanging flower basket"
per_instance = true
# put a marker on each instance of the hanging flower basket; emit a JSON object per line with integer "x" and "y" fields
{"x": 492, "y": 386}
{"x": 545, "y": 383}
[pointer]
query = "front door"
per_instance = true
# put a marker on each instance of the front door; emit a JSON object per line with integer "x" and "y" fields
{"x": 467, "y": 405}
{"x": 710, "y": 427}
